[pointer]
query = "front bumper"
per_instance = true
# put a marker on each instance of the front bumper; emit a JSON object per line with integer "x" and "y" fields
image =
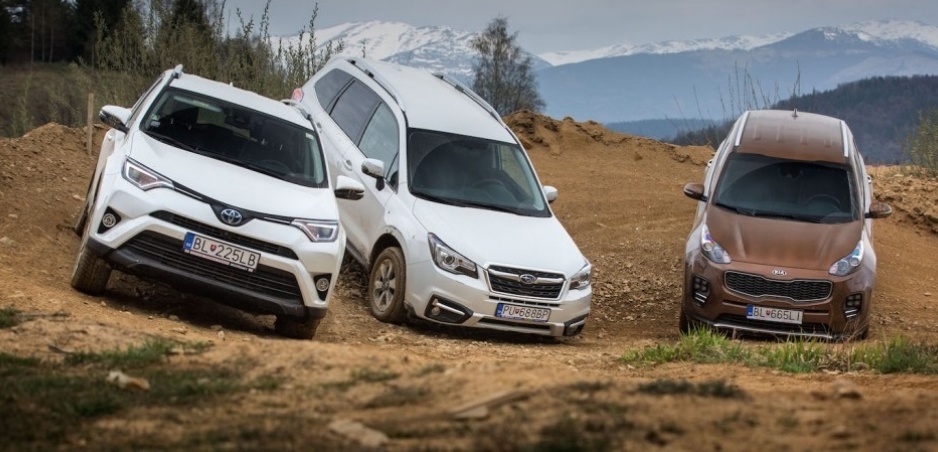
{"x": 723, "y": 308}
{"x": 447, "y": 298}
{"x": 147, "y": 241}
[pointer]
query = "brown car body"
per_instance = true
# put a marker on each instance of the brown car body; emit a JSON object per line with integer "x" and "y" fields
{"x": 782, "y": 238}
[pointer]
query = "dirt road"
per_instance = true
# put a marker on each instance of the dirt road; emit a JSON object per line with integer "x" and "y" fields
{"x": 620, "y": 198}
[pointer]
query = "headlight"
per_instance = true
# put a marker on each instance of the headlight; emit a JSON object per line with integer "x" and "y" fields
{"x": 144, "y": 178}
{"x": 318, "y": 230}
{"x": 712, "y": 249}
{"x": 849, "y": 263}
{"x": 581, "y": 280}
{"x": 449, "y": 260}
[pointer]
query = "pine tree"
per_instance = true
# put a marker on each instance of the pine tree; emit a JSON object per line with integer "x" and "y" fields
{"x": 504, "y": 73}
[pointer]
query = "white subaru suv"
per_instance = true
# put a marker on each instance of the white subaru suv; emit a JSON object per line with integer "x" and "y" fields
{"x": 454, "y": 226}
{"x": 219, "y": 191}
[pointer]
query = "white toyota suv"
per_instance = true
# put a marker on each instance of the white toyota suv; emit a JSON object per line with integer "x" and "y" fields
{"x": 220, "y": 191}
{"x": 454, "y": 226}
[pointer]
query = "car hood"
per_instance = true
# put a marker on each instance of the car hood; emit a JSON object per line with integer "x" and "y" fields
{"x": 233, "y": 185}
{"x": 783, "y": 243}
{"x": 489, "y": 237}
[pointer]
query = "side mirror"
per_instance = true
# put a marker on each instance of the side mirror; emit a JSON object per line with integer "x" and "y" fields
{"x": 375, "y": 169}
{"x": 348, "y": 188}
{"x": 879, "y": 210}
{"x": 550, "y": 192}
{"x": 115, "y": 117}
{"x": 695, "y": 191}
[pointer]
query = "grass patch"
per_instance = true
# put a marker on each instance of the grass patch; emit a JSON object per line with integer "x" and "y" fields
{"x": 9, "y": 317}
{"x": 150, "y": 352}
{"x": 364, "y": 375}
{"x": 896, "y": 355}
{"x": 47, "y": 402}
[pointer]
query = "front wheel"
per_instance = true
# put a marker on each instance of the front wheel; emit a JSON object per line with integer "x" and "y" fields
{"x": 386, "y": 286}
{"x": 296, "y": 328}
{"x": 683, "y": 323}
{"x": 91, "y": 273}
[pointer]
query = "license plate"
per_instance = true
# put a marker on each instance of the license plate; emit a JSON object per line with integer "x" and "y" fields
{"x": 774, "y": 314}
{"x": 511, "y": 311}
{"x": 220, "y": 252}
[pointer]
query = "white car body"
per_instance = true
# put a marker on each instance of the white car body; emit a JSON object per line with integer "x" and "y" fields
{"x": 151, "y": 191}
{"x": 505, "y": 245}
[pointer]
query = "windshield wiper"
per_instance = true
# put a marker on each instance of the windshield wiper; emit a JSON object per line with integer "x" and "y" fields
{"x": 481, "y": 205}
{"x": 170, "y": 140}
{"x": 439, "y": 199}
{"x": 739, "y": 210}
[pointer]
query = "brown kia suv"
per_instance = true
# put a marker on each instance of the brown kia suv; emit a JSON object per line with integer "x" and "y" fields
{"x": 782, "y": 239}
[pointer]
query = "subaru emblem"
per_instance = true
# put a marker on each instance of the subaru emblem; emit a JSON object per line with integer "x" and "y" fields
{"x": 528, "y": 279}
{"x": 231, "y": 216}
{"x": 779, "y": 272}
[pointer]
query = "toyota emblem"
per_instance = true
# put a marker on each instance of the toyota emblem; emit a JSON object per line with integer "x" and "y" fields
{"x": 528, "y": 279}
{"x": 231, "y": 216}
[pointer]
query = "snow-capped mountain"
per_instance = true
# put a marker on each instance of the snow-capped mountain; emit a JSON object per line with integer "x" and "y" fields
{"x": 668, "y": 79}
{"x": 721, "y": 77}
{"x": 435, "y": 48}
{"x": 884, "y": 32}
{"x": 661, "y": 48}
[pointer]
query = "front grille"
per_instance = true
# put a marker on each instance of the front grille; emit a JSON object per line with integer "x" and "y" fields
{"x": 742, "y": 321}
{"x": 221, "y": 234}
{"x": 797, "y": 290}
{"x": 513, "y": 286}
{"x": 169, "y": 252}
{"x": 537, "y": 304}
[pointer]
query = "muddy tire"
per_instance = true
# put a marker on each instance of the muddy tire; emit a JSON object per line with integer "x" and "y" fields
{"x": 91, "y": 273}
{"x": 386, "y": 286}
{"x": 296, "y": 327}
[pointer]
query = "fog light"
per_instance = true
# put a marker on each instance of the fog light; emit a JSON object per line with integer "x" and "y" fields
{"x": 322, "y": 285}
{"x": 701, "y": 290}
{"x": 109, "y": 220}
{"x": 852, "y": 305}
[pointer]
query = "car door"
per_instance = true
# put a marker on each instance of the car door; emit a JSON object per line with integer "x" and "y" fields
{"x": 360, "y": 116}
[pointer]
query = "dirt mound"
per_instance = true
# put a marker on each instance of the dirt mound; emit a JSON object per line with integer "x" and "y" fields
{"x": 619, "y": 197}
{"x": 543, "y": 132}
{"x": 914, "y": 199}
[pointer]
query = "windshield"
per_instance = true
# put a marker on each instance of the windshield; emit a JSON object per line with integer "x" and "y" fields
{"x": 466, "y": 171}
{"x": 758, "y": 185}
{"x": 237, "y": 135}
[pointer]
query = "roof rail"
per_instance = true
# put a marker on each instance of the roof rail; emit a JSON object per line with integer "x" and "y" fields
{"x": 843, "y": 134}
{"x": 363, "y": 66}
{"x": 177, "y": 71}
{"x": 468, "y": 92}
{"x": 742, "y": 126}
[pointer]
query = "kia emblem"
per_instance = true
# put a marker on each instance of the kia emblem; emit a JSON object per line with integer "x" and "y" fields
{"x": 231, "y": 216}
{"x": 779, "y": 272}
{"x": 528, "y": 279}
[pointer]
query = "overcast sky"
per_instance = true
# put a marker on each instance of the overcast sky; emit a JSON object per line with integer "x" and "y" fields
{"x": 551, "y": 25}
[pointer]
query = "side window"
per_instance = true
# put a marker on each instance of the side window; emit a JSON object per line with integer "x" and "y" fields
{"x": 329, "y": 86}
{"x": 381, "y": 137}
{"x": 354, "y": 108}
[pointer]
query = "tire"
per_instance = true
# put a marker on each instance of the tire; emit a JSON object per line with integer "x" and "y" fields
{"x": 683, "y": 323}
{"x": 295, "y": 327}
{"x": 386, "y": 285}
{"x": 91, "y": 273}
{"x": 82, "y": 219}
